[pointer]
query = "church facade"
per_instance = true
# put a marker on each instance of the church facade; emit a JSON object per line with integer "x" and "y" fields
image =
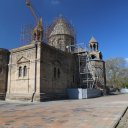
{"x": 40, "y": 71}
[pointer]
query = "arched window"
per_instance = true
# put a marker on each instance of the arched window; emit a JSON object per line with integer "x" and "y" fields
{"x": 58, "y": 73}
{"x": 91, "y": 46}
{"x": 73, "y": 78}
{"x": 94, "y": 47}
{"x": 93, "y": 57}
{"x": 20, "y": 71}
{"x": 25, "y": 71}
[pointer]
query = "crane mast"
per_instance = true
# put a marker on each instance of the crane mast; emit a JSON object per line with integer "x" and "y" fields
{"x": 30, "y": 6}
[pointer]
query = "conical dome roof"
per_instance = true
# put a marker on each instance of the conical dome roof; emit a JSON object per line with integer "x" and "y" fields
{"x": 61, "y": 26}
{"x": 93, "y": 40}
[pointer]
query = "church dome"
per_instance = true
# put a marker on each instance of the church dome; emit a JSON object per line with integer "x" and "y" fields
{"x": 60, "y": 27}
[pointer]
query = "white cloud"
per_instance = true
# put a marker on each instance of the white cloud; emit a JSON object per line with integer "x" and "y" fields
{"x": 55, "y": 2}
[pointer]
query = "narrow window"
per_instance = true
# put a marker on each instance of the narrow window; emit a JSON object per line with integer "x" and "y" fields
{"x": 0, "y": 69}
{"x": 58, "y": 73}
{"x": 20, "y": 71}
{"x": 94, "y": 47}
{"x": 91, "y": 47}
{"x": 25, "y": 71}
{"x": 73, "y": 79}
{"x": 54, "y": 72}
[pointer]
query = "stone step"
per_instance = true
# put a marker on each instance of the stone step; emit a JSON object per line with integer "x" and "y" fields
{"x": 2, "y": 96}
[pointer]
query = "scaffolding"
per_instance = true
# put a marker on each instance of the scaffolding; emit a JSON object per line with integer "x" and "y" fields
{"x": 68, "y": 27}
{"x": 26, "y": 34}
{"x": 88, "y": 74}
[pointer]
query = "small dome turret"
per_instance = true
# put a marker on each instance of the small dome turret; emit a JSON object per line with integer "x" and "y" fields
{"x": 93, "y": 44}
{"x": 95, "y": 54}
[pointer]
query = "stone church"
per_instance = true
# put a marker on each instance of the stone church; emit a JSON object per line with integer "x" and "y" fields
{"x": 45, "y": 70}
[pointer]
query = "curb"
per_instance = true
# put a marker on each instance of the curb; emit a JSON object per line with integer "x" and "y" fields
{"x": 114, "y": 125}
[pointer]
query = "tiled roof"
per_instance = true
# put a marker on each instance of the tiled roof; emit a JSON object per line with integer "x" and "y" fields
{"x": 61, "y": 26}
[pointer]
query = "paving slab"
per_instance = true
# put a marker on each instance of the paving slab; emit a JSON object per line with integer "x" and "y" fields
{"x": 102, "y": 112}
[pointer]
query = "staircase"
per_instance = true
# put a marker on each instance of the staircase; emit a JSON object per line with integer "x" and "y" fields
{"x": 90, "y": 76}
{"x": 87, "y": 77}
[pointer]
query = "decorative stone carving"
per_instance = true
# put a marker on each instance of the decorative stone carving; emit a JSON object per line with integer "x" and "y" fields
{"x": 22, "y": 60}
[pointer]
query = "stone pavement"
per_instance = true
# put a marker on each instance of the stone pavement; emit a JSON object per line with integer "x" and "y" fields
{"x": 102, "y": 112}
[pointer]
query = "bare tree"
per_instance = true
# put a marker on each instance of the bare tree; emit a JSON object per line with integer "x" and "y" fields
{"x": 116, "y": 72}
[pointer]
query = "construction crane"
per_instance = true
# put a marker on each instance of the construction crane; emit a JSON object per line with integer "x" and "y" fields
{"x": 30, "y": 6}
{"x": 38, "y": 30}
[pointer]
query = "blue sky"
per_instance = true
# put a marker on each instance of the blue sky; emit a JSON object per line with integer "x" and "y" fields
{"x": 106, "y": 20}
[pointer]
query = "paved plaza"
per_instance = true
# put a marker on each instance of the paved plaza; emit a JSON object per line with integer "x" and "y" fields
{"x": 102, "y": 112}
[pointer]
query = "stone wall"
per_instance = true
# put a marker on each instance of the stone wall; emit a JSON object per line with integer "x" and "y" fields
{"x": 58, "y": 70}
{"x": 4, "y": 59}
{"x": 49, "y": 71}
{"x": 98, "y": 68}
{"x": 23, "y": 84}
{"x": 61, "y": 41}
